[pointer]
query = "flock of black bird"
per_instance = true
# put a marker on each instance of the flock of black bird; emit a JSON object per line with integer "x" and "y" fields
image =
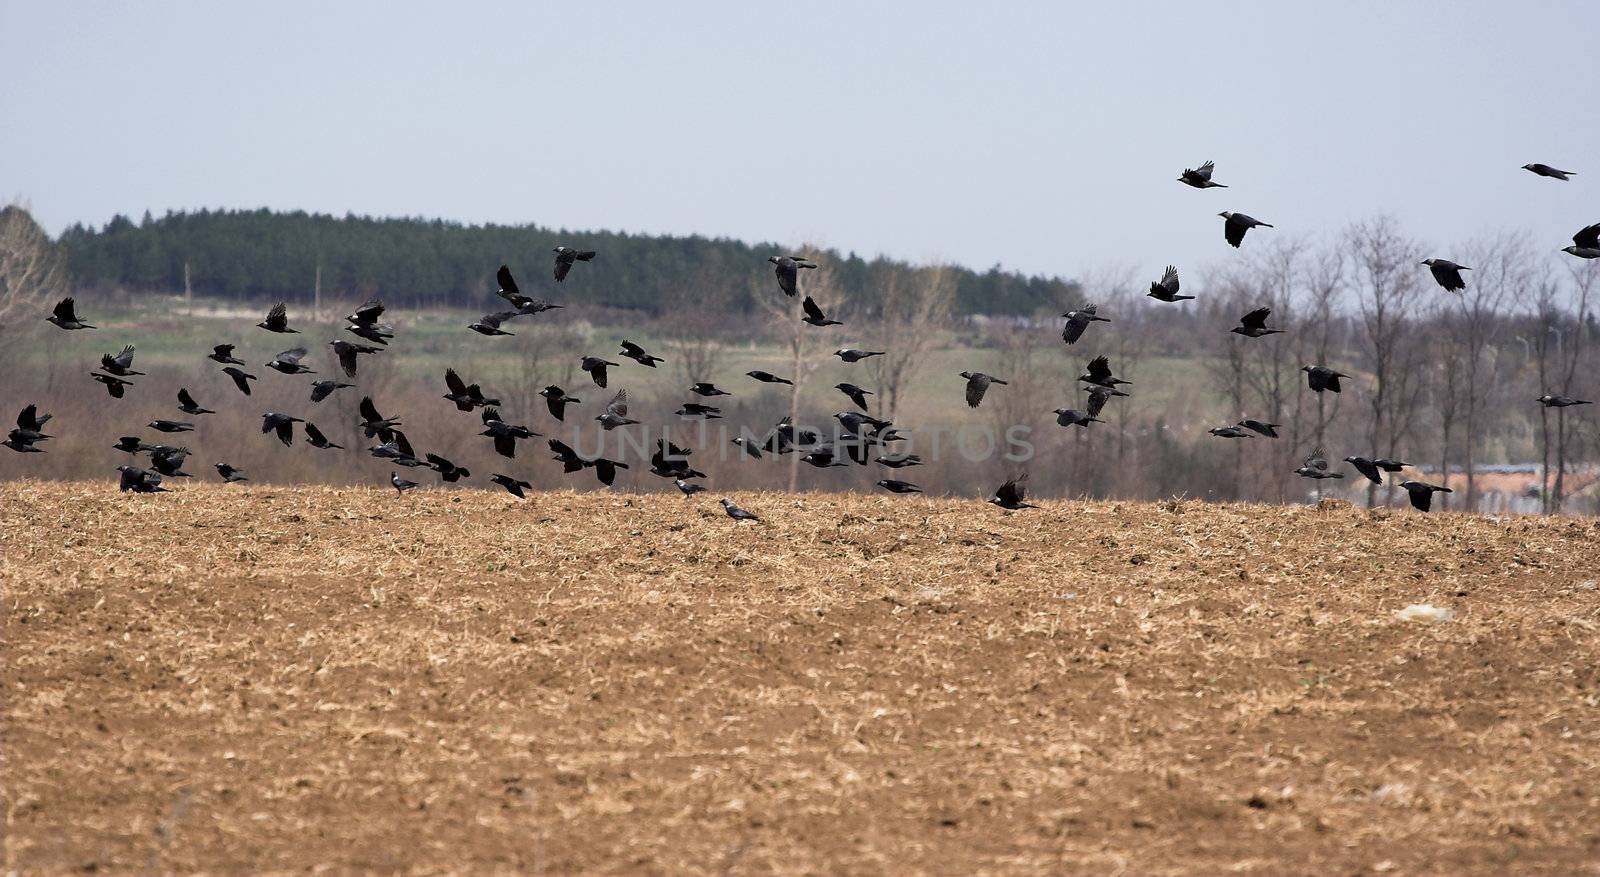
{"x": 858, "y": 432}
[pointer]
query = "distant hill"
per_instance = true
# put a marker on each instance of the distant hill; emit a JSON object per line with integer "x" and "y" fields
{"x": 264, "y": 254}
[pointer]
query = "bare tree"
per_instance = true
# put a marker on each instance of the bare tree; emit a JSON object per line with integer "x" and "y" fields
{"x": 784, "y": 316}
{"x": 913, "y": 306}
{"x": 1386, "y": 293}
{"x": 1570, "y": 346}
{"x": 32, "y": 269}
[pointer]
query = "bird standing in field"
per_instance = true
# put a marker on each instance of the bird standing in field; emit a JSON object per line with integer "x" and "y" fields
{"x": 188, "y": 405}
{"x": 616, "y": 413}
{"x": 1166, "y": 289}
{"x": 1234, "y": 226}
{"x": 556, "y": 399}
{"x": 347, "y": 353}
{"x": 113, "y": 384}
{"x": 768, "y": 377}
{"x": 1447, "y": 273}
{"x": 316, "y": 439}
{"x": 489, "y": 324}
{"x": 120, "y": 365}
{"x": 1320, "y": 377}
{"x": 1200, "y": 177}
{"x": 282, "y": 424}
{"x": 65, "y": 315}
{"x": 1011, "y": 495}
{"x": 278, "y": 321}
{"x": 1545, "y": 170}
{"x": 230, "y": 475}
{"x": 1316, "y": 466}
{"x": 1373, "y": 469}
{"x": 1550, "y": 401}
{"x": 323, "y": 389}
{"x": 1421, "y": 493}
{"x": 688, "y": 488}
{"x": 1079, "y": 320}
{"x": 977, "y": 384}
{"x": 787, "y": 268}
{"x": 856, "y": 394}
{"x": 738, "y": 514}
{"x": 401, "y": 485}
{"x": 638, "y": 354}
{"x": 1586, "y": 243}
{"x": 814, "y": 315}
{"x": 566, "y": 257}
{"x": 596, "y": 367}
{"x": 1254, "y": 324}
{"x": 288, "y": 362}
{"x": 852, "y": 355}
{"x": 223, "y": 353}
{"x": 139, "y": 481}
{"x": 241, "y": 378}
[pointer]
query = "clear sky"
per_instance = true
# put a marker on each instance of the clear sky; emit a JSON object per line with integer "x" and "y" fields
{"x": 1045, "y": 137}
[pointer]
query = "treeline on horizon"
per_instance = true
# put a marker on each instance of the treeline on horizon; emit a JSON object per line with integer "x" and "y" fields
{"x": 413, "y": 262}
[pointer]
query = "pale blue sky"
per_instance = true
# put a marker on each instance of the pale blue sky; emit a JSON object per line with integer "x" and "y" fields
{"x": 1045, "y": 137}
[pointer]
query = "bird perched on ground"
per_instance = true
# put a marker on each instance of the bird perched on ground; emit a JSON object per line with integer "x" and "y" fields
{"x": 768, "y": 378}
{"x": 1254, "y": 324}
{"x": 65, "y": 315}
{"x": 1545, "y": 170}
{"x": 977, "y": 384}
{"x": 616, "y": 413}
{"x": 323, "y": 389}
{"x": 1586, "y": 243}
{"x": 1270, "y": 430}
{"x": 229, "y": 474}
{"x": 169, "y": 461}
{"x": 703, "y": 388}
{"x": 894, "y": 486}
{"x": 1075, "y": 417}
{"x": 638, "y": 354}
{"x": 447, "y": 470}
{"x": 596, "y": 367}
{"x": 466, "y": 397}
{"x": 188, "y": 405}
{"x": 556, "y": 399}
{"x": 566, "y": 257}
{"x": 241, "y": 378}
{"x": 1447, "y": 273}
{"x": 787, "y": 268}
{"x": 401, "y": 485}
{"x": 139, "y": 481}
{"x": 1236, "y": 224}
{"x": 1316, "y": 466}
{"x": 856, "y": 394}
{"x": 1421, "y": 493}
{"x": 525, "y": 306}
{"x": 1320, "y": 377}
{"x": 1166, "y": 289}
{"x": 1372, "y": 469}
{"x": 689, "y": 488}
{"x": 814, "y": 315}
{"x": 120, "y": 365}
{"x": 347, "y": 353}
{"x": 851, "y": 355}
{"x": 1011, "y": 494}
{"x": 489, "y": 324}
{"x": 288, "y": 362}
{"x": 1550, "y": 401}
{"x": 505, "y": 434}
{"x": 899, "y": 461}
{"x": 283, "y": 424}
{"x": 316, "y": 439}
{"x": 373, "y": 423}
{"x": 364, "y": 323}
{"x": 170, "y": 426}
{"x": 223, "y": 353}
{"x": 1200, "y": 177}
{"x": 278, "y": 321}
{"x": 1229, "y": 432}
{"x": 1079, "y": 320}
{"x": 1099, "y": 373}
{"x": 513, "y": 486}
{"x": 695, "y": 409}
{"x": 113, "y": 383}
{"x": 738, "y": 514}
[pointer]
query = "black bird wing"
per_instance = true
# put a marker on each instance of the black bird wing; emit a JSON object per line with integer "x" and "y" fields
{"x": 292, "y": 356}
{"x": 976, "y": 387}
{"x": 564, "y": 261}
{"x": 66, "y": 311}
{"x": 367, "y": 314}
{"x": 505, "y": 444}
{"x": 315, "y": 435}
{"x": 1097, "y": 402}
{"x": 28, "y": 418}
{"x": 598, "y": 373}
{"x": 1012, "y": 492}
{"x": 1318, "y": 459}
{"x": 632, "y": 350}
{"x": 788, "y": 278}
{"x": 123, "y": 360}
{"x": 347, "y": 357}
{"x": 558, "y": 405}
{"x": 812, "y": 310}
{"x": 400, "y": 441}
{"x": 185, "y": 399}
{"x": 494, "y": 320}
{"x": 1588, "y": 237}
{"x": 1368, "y": 468}
{"x": 1169, "y": 280}
{"x": 1099, "y": 369}
{"x": 1073, "y": 330}
{"x": 369, "y": 411}
{"x": 1422, "y": 500}
{"x": 508, "y": 285}
{"x": 1234, "y": 231}
{"x": 240, "y": 379}
{"x": 222, "y": 351}
{"x": 619, "y": 404}
{"x": 1256, "y": 319}
{"x": 1204, "y": 171}
{"x": 278, "y": 317}
{"x": 453, "y": 381}
{"x": 606, "y": 470}
{"x": 285, "y": 430}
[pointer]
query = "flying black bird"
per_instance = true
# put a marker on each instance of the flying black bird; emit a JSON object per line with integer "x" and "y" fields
{"x": 1099, "y": 373}
{"x": 703, "y": 388}
{"x": 1373, "y": 468}
{"x": 850, "y": 355}
{"x": 606, "y": 470}
{"x": 1586, "y": 243}
{"x": 1229, "y": 432}
{"x": 689, "y": 488}
{"x": 899, "y": 461}
{"x": 638, "y": 354}
{"x": 188, "y": 405}
{"x": 397, "y": 448}
{"x": 120, "y": 365}
{"x": 139, "y": 481}
{"x": 347, "y": 353}
{"x": 670, "y": 461}
{"x": 1254, "y": 324}
{"x": 814, "y": 315}
{"x": 130, "y": 444}
{"x": 316, "y": 439}
{"x": 616, "y": 412}
{"x": 323, "y": 389}
{"x": 785, "y": 438}
{"x": 1011, "y": 494}
{"x": 1447, "y": 273}
{"x": 787, "y": 268}
{"x": 278, "y": 321}
{"x": 1270, "y": 430}
{"x": 894, "y": 486}
{"x": 30, "y": 420}
{"x": 223, "y": 353}
{"x": 695, "y": 409}
{"x": 1320, "y": 378}
{"x": 854, "y": 421}
{"x": 489, "y": 324}
{"x": 1074, "y": 417}
{"x": 1098, "y": 397}
{"x": 856, "y": 394}
{"x": 364, "y": 323}
{"x": 23, "y": 441}
{"x": 977, "y": 384}
{"x": 1421, "y": 493}
{"x": 1316, "y": 466}
{"x": 596, "y": 367}
{"x": 288, "y": 362}
{"x": 525, "y": 306}
{"x": 750, "y": 448}
{"x": 65, "y": 315}
{"x": 513, "y": 486}
{"x": 1545, "y": 170}
{"x": 1079, "y": 320}
{"x": 241, "y": 378}
{"x": 466, "y": 397}
{"x": 283, "y": 424}
{"x": 170, "y": 426}
{"x": 229, "y": 474}
{"x": 1166, "y": 289}
{"x": 1200, "y": 177}
{"x": 113, "y": 384}
{"x": 738, "y": 514}
{"x": 822, "y": 458}
{"x": 447, "y": 470}
{"x": 556, "y": 399}
{"x": 1236, "y": 224}
{"x": 505, "y": 434}
{"x": 373, "y": 423}
{"x": 1550, "y": 401}
{"x": 566, "y": 456}
{"x": 169, "y": 461}
{"x": 768, "y": 377}
{"x": 401, "y": 485}
{"x": 566, "y": 257}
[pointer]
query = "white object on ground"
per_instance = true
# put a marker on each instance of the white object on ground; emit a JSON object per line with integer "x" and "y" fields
{"x": 1426, "y": 612}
